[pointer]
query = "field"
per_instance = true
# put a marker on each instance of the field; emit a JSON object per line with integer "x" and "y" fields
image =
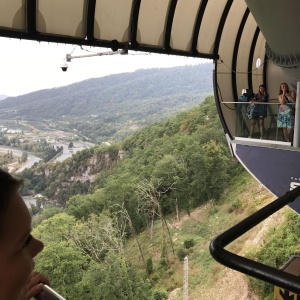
{"x": 14, "y": 125}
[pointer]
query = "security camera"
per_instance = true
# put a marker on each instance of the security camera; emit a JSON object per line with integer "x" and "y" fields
{"x": 64, "y": 66}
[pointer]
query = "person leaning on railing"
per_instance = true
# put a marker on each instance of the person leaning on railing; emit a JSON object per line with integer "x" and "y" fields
{"x": 259, "y": 112}
{"x": 286, "y": 113}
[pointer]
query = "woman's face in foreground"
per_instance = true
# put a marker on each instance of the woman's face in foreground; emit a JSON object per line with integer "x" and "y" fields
{"x": 17, "y": 250}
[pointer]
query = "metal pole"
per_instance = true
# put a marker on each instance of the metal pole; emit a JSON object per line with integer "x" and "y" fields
{"x": 185, "y": 279}
{"x": 250, "y": 267}
{"x": 69, "y": 56}
{"x": 296, "y": 140}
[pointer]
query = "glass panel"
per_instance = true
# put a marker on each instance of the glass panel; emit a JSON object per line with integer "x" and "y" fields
{"x": 243, "y": 123}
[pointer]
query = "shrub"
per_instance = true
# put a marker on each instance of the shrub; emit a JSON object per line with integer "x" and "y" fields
{"x": 189, "y": 243}
{"x": 149, "y": 265}
{"x": 160, "y": 295}
{"x": 213, "y": 211}
{"x": 235, "y": 205}
{"x": 162, "y": 262}
{"x": 181, "y": 254}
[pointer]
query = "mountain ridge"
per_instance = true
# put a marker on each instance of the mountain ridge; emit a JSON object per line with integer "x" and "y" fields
{"x": 113, "y": 89}
{"x": 110, "y": 108}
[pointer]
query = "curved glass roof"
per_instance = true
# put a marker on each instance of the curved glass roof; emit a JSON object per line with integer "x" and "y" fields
{"x": 182, "y": 27}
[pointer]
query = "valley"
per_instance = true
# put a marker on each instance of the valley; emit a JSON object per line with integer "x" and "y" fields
{"x": 111, "y": 108}
{"x": 180, "y": 166}
{"x": 23, "y": 133}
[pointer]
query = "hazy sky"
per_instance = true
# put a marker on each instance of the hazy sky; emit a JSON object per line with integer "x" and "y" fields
{"x": 28, "y": 66}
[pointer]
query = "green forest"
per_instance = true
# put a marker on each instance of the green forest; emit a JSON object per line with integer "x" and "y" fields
{"x": 109, "y": 234}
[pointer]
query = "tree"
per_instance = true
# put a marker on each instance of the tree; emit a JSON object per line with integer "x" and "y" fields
{"x": 172, "y": 172}
{"x": 62, "y": 224}
{"x": 215, "y": 171}
{"x": 81, "y": 206}
{"x": 123, "y": 216}
{"x": 24, "y": 157}
{"x": 97, "y": 236}
{"x": 64, "y": 265}
{"x": 114, "y": 280}
{"x": 35, "y": 208}
{"x": 149, "y": 201}
{"x": 61, "y": 261}
{"x": 45, "y": 214}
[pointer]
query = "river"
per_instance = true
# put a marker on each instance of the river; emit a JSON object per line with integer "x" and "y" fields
{"x": 29, "y": 200}
{"x": 78, "y": 146}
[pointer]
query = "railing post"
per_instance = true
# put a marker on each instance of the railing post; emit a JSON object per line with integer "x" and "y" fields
{"x": 296, "y": 140}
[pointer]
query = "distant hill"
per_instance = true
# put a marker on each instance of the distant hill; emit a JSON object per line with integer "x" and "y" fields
{"x": 3, "y": 97}
{"x": 104, "y": 106}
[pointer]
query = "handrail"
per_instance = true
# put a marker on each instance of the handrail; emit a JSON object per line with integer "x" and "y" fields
{"x": 248, "y": 266}
{"x": 260, "y": 103}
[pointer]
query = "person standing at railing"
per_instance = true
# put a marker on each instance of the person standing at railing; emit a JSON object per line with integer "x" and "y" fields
{"x": 286, "y": 113}
{"x": 259, "y": 112}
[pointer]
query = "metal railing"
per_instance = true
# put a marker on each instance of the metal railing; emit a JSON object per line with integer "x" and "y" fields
{"x": 270, "y": 121}
{"x": 248, "y": 266}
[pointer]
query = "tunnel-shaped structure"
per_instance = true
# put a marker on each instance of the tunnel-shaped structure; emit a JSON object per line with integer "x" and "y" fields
{"x": 251, "y": 43}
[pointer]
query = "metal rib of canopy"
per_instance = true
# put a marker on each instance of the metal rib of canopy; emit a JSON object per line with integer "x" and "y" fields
{"x": 182, "y": 27}
{"x": 222, "y": 30}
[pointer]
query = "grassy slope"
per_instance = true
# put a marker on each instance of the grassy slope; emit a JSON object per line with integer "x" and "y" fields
{"x": 207, "y": 278}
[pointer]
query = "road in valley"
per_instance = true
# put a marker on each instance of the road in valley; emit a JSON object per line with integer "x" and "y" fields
{"x": 31, "y": 159}
{"x": 78, "y": 146}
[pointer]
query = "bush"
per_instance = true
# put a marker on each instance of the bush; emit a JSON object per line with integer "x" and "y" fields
{"x": 149, "y": 265}
{"x": 280, "y": 244}
{"x": 235, "y": 206}
{"x": 160, "y": 295}
{"x": 181, "y": 254}
{"x": 163, "y": 262}
{"x": 189, "y": 243}
{"x": 213, "y": 211}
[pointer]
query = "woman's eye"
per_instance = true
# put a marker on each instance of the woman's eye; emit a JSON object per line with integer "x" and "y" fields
{"x": 28, "y": 240}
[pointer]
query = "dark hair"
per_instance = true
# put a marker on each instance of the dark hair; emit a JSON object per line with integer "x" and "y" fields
{"x": 281, "y": 91}
{"x": 265, "y": 92}
{"x": 8, "y": 186}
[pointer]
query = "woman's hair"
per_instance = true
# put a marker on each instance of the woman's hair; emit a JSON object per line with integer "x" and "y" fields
{"x": 287, "y": 88}
{"x": 265, "y": 92}
{"x": 8, "y": 186}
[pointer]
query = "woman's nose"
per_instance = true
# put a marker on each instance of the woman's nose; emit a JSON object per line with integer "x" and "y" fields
{"x": 36, "y": 246}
